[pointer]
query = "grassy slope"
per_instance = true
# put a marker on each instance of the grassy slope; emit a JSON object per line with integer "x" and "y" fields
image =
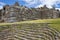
{"x": 54, "y": 23}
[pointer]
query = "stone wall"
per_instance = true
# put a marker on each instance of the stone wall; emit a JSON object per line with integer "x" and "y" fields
{"x": 16, "y": 13}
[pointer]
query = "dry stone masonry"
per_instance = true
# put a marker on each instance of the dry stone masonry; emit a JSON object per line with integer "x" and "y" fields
{"x": 16, "y": 12}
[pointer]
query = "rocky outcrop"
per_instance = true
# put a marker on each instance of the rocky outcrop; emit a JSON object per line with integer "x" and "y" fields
{"x": 16, "y": 13}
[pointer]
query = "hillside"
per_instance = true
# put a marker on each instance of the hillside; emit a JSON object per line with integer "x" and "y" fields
{"x": 22, "y": 23}
{"x": 51, "y": 22}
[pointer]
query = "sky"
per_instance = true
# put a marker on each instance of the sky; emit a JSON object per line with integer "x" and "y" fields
{"x": 32, "y": 3}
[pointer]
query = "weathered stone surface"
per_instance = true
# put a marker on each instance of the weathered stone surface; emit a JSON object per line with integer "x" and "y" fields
{"x": 23, "y": 13}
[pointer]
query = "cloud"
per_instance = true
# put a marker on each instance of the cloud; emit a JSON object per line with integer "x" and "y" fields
{"x": 49, "y": 3}
{"x": 39, "y": 3}
{"x": 1, "y": 5}
{"x": 31, "y": 3}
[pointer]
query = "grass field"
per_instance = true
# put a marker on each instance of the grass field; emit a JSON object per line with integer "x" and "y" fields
{"x": 54, "y": 23}
{"x": 31, "y": 29}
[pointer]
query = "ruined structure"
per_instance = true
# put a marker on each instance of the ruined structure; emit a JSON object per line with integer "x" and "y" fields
{"x": 16, "y": 12}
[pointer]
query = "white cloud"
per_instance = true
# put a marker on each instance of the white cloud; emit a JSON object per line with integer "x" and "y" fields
{"x": 1, "y": 5}
{"x": 31, "y": 2}
{"x": 58, "y": 8}
{"x": 49, "y": 3}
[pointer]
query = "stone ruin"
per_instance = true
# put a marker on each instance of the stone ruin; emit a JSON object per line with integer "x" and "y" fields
{"x": 16, "y": 13}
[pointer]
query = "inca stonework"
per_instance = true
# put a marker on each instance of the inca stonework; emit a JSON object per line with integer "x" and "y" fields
{"x": 14, "y": 13}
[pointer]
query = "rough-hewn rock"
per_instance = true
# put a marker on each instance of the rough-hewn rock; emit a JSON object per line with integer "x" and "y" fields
{"x": 16, "y": 13}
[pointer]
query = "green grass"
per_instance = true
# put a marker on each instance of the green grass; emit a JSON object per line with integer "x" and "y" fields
{"x": 54, "y": 23}
{"x": 4, "y": 27}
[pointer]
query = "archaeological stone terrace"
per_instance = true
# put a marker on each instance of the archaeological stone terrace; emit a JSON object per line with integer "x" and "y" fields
{"x": 16, "y": 13}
